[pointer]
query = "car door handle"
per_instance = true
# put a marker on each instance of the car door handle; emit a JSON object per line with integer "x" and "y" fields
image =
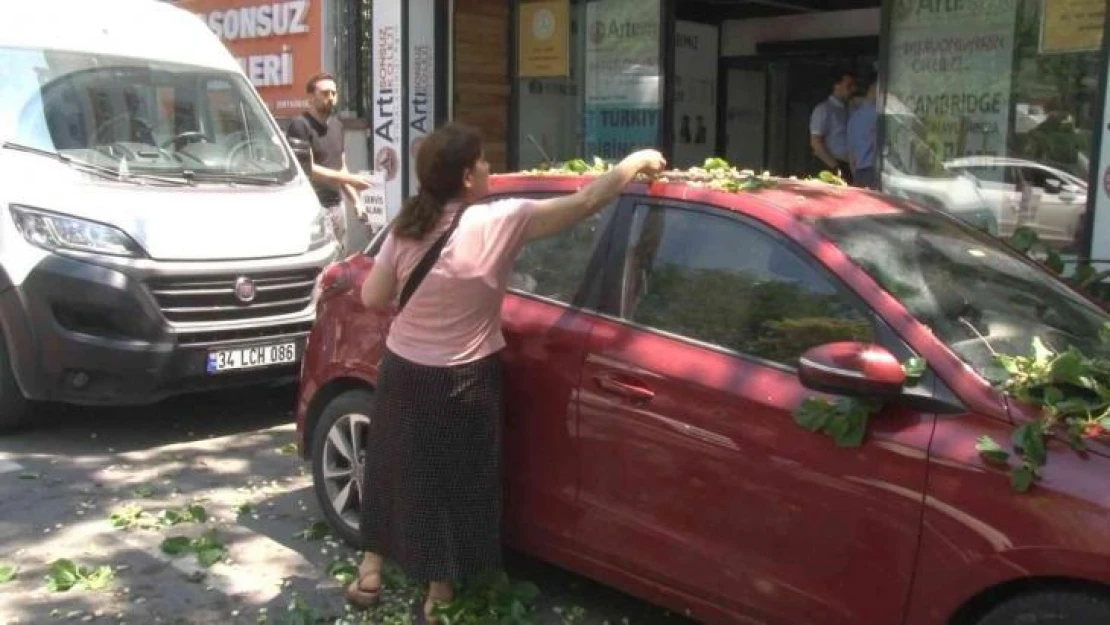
{"x": 629, "y": 390}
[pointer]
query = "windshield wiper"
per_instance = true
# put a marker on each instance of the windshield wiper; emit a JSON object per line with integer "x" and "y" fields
{"x": 100, "y": 170}
{"x": 68, "y": 160}
{"x": 217, "y": 176}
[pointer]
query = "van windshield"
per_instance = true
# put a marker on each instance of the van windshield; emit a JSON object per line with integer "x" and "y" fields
{"x": 140, "y": 116}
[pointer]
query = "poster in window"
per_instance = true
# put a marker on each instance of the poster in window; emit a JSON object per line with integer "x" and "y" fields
{"x": 388, "y": 111}
{"x": 623, "y": 85}
{"x": 695, "y": 93}
{"x": 951, "y": 65}
{"x": 1072, "y": 26}
{"x": 544, "y": 35}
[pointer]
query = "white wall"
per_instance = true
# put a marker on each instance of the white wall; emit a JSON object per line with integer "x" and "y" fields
{"x": 739, "y": 37}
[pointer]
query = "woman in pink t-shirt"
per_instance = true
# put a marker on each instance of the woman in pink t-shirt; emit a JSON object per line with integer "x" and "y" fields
{"x": 431, "y": 498}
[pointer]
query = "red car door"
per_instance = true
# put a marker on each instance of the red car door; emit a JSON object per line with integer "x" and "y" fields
{"x": 546, "y": 326}
{"x": 694, "y": 475}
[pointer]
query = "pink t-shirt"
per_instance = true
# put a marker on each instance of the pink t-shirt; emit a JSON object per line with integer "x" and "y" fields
{"x": 454, "y": 317}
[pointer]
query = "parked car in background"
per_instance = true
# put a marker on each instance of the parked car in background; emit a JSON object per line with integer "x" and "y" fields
{"x": 1026, "y": 193}
{"x": 656, "y": 353}
{"x": 157, "y": 235}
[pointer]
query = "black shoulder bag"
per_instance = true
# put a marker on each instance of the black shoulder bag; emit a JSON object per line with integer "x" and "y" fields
{"x": 425, "y": 265}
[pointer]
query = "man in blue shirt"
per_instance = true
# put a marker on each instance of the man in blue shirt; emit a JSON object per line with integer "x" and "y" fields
{"x": 861, "y": 141}
{"x": 828, "y": 127}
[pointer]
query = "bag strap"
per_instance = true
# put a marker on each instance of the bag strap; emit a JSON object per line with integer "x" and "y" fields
{"x": 427, "y": 262}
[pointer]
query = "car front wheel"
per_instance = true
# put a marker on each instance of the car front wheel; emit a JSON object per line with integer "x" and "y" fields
{"x": 1051, "y": 608}
{"x": 338, "y": 457}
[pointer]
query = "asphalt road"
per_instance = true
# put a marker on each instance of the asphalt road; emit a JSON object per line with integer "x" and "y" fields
{"x": 229, "y": 457}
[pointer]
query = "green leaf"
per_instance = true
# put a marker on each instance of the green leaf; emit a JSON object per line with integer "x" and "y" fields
{"x": 914, "y": 369}
{"x": 342, "y": 571}
{"x": 197, "y": 513}
{"x": 1041, "y": 353}
{"x": 62, "y": 575}
{"x": 1084, "y": 274}
{"x": 244, "y": 508}
{"x": 813, "y": 413}
{"x": 526, "y": 592}
{"x": 1024, "y": 238}
{"x": 288, "y": 449}
{"x": 1022, "y": 478}
{"x": 1104, "y": 421}
{"x": 1069, "y": 367}
{"x": 715, "y": 163}
{"x": 1054, "y": 262}
{"x": 1030, "y": 439}
{"x": 855, "y": 429}
{"x": 577, "y": 166}
{"x": 208, "y": 556}
{"x": 169, "y": 518}
{"x": 991, "y": 452}
{"x": 98, "y": 579}
{"x": 176, "y": 545}
{"x": 8, "y": 573}
{"x": 316, "y": 530}
{"x": 1052, "y": 396}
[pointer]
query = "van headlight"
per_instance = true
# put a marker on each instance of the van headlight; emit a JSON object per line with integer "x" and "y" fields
{"x": 55, "y": 232}
{"x": 322, "y": 232}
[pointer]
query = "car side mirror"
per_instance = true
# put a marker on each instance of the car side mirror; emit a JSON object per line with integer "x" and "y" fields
{"x": 302, "y": 151}
{"x": 853, "y": 369}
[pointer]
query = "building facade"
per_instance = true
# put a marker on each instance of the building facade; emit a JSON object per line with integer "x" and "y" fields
{"x": 996, "y": 110}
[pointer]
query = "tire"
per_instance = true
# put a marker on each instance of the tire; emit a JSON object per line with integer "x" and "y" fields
{"x": 1051, "y": 608}
{"x": 337, "y": 472}
{"x": 15, "y": 410}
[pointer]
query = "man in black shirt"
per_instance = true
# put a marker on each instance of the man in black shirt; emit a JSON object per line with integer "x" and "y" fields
{"x": 324, "y": 133}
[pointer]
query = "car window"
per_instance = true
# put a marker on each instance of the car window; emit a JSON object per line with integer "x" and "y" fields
{"x": 1042, "y": 179}
{"x": 718, "y": 280}
{"x": 994, "y": 173}
{"x": 555, "y": 267}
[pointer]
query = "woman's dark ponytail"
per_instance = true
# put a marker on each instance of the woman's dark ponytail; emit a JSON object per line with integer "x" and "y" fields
{"x": 441, "y": 164}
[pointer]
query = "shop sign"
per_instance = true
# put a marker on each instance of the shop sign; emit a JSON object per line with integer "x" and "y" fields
{"x": 623, "y": 87}
{"x": 277, "y": 44}
{"x": 388, "y": 107}
{"x": 1072, "y": 26}
{"x": 950, "y": 66}
{"x": 544, "y": 31}
{"x": 421, "y": 80}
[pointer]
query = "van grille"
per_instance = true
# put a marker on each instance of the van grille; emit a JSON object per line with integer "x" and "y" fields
{"x": 198, "y": 299}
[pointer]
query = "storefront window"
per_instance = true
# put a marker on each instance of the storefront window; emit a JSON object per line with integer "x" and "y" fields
{"x": 588, "y": 78}
{"x": 990, "y": 108}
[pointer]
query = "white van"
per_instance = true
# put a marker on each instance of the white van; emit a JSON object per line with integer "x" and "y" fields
{"x": 157, "y": 233}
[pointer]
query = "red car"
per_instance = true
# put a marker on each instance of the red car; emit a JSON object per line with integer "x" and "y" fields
{"x": 654, "y": 363}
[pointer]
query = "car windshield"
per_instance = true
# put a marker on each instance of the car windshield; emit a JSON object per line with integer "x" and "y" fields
{"x": 977, "y": 295}
{"x": 140, "y": 116}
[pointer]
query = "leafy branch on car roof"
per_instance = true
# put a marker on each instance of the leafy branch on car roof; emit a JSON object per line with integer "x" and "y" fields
{"x": 714, "y": 173}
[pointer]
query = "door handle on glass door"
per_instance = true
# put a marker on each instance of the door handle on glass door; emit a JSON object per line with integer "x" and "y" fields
{"x": 635, "y": 390}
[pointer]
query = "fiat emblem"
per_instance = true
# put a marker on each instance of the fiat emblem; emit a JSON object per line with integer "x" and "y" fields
{"x": 245, "y": 290}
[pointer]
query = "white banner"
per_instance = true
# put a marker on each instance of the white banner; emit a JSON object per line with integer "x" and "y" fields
{"x": 695, "y": 93}
{"x": 421, "y": 99}
{"x": 1100, "y": 174}
{"x": 388, "y": 103}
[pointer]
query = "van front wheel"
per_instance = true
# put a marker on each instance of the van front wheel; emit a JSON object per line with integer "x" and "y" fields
{"x": 15, "y": 410}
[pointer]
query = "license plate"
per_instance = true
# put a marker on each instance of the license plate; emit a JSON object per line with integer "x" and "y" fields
{"x": 251, "y": 357}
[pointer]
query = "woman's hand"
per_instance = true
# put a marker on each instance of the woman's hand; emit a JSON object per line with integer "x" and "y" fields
{"x": 649, "y": 162}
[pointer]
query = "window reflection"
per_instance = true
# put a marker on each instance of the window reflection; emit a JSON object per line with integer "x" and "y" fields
{"x": 990, "y": 113}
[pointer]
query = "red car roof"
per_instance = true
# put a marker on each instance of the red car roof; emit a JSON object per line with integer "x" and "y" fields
{"x": 800, "y": 199}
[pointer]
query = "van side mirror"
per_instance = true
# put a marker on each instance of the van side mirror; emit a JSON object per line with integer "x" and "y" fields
{"x": 302, "y": 151}
{"x": 853, "y": 369}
